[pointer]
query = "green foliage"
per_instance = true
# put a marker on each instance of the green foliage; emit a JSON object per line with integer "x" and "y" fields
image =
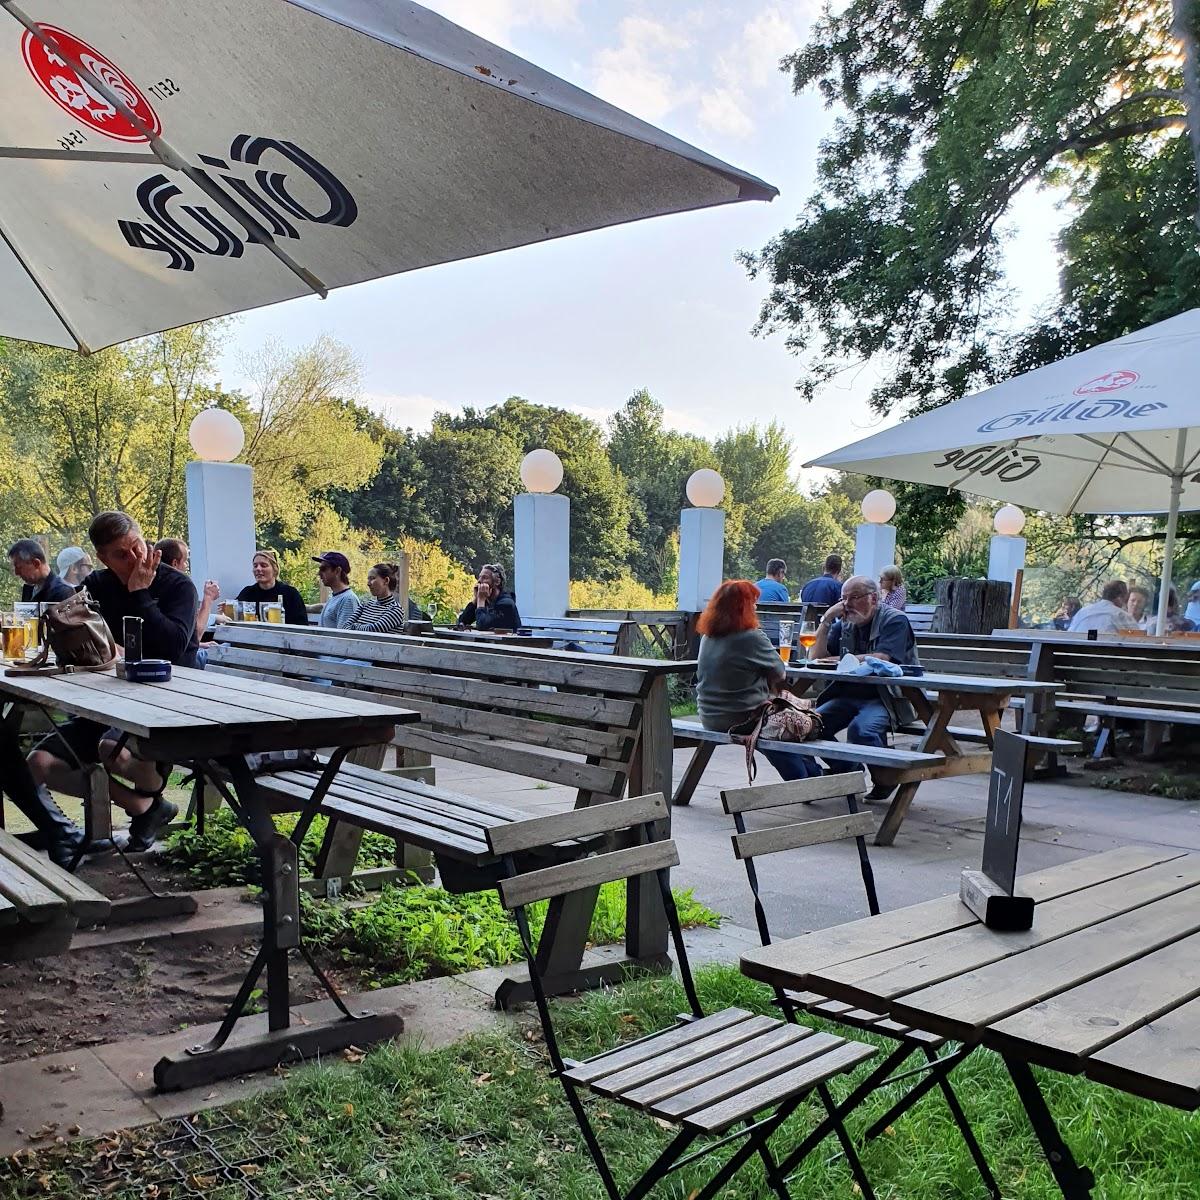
{"x": 946, "y": 113}
{"x": 224, "y": 856}
{"x": 963, "y": 553}
{"x": 399, "y": 933}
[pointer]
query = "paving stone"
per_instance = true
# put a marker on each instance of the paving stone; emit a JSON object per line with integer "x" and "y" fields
{"x": 64, "y": 1095}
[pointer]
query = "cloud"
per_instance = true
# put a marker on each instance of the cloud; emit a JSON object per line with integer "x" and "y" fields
{"x": 498, "y": 20}
{"x": 747, "y": 71}
{"x": 636, "y": 74}
{"x": 404, "y": 411}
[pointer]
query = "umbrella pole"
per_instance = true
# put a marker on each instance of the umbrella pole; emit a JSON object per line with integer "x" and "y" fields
{"x": 1172, "y": 523}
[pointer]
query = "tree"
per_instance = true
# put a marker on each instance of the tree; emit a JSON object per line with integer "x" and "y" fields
{"x": 106, "y": 431}
{"x": 303, "y": 436}
{"x": 948, "y": 112}
{"x": 655, "y": 463}
{"x": 600, "y": 508}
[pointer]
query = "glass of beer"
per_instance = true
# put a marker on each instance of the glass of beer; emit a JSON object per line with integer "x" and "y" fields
{"x": 12, "y": 635}
{"x": 28, "y": 612}
{"x": 785, "y": 640}
{"x": 247, "y": 610}
{"x": 807, "y": 637}
{"x": 273, "y": 612}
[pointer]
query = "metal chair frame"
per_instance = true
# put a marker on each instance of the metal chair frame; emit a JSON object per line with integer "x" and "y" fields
{"x": 937, "y": 1067}
{"x": 675, "y": 1156}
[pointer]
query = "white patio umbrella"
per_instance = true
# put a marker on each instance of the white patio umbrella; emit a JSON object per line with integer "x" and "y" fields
{"x": 166, "y": 161}
{"x": 1115, "y": 429}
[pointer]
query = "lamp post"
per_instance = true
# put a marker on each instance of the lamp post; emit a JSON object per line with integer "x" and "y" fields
{"x": 1006, "y": 553}
{"x": 542, "y": 538}
{"x": 875, "y": 539}
{"x": 701, "y": 540}
{"x": 220, "y": 500}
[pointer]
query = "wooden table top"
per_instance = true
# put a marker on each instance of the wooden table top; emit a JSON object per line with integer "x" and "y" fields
{"x": 1106, "y": 983}
{"x": 1134, "y": 642}
{"x": 202, "y": 714}
{"x": 930, "y": 682}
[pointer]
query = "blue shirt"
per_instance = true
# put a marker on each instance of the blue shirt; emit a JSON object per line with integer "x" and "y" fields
{"x": 772, "y": 591}
{"x": 339, "y": 610}
{"x": 825, "y": 589}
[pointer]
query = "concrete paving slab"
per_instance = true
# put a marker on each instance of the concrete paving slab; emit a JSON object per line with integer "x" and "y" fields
{"x": 68, "y": 1095}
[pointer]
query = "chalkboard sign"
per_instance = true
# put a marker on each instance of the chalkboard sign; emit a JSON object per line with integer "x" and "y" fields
{"x": 1002, "y": 836}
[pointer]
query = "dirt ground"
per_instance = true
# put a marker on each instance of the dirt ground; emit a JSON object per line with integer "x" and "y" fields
{"x": 110, "y": 993}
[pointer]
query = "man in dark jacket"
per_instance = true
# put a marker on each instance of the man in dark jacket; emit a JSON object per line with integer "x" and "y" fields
{"x": 39, "y": 582}
{"x": 133, "y": 583}
{"x": 493, "y": 609}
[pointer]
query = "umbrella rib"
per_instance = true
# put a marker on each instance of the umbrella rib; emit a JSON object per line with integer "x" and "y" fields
{"x": 80, "y": 344}
{"x": 169, "y": 156}
{"x": 85, "y": 155}
{"x": 1149, "y": 454}
{"x": 1153, "y": 467}
{"x": 1083, "y": 487}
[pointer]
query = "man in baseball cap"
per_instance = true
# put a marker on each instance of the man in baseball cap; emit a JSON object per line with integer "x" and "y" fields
{"x": 334, "y": 573}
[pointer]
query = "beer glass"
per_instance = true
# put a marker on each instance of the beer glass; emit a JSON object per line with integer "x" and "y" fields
{"x": 247, "y": 610}
{"x": 29, "y": 611}
{"x": 273, "y": 613}
{"x": 12, "y": 633}
{"x": 785, "y": 640}
{"x": 807, "y": 636}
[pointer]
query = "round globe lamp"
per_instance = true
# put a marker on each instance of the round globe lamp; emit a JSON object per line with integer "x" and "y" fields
{"x": 878, "y": 507}
{"x": 705, "y": 488}
{"x": 1009, "y": 520}
{"x": 216, "y": 435}
{"x": 541, "y": 471}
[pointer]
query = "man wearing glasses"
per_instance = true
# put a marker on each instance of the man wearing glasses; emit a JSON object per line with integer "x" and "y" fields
{"x": 858, "y": 624}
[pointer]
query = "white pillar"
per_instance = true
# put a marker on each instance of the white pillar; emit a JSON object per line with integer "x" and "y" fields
{"x": 220, "y": 504}
{"x": 701, "y": 556}
{"x": 541, "y": 553}
{"x": 1006, "y": 556}
{"x": 874, "y": 548}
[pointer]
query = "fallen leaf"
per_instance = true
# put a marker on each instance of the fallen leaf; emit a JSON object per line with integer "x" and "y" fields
{"x": 349, "y": 1109}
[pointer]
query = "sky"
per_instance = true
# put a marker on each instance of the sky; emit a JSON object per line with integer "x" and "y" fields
{"x": 583, "y": 322}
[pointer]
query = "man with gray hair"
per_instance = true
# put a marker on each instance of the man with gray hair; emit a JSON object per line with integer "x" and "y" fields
{"x": 135, "y": 582}
{"x": 31, "y": 567}
{"x": 858, "y": 624}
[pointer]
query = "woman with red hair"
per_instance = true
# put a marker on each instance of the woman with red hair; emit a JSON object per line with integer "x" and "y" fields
{"x": 739, "y": 670}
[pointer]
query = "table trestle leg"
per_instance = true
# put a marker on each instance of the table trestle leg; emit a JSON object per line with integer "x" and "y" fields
{"x": 1075, "y": 1182}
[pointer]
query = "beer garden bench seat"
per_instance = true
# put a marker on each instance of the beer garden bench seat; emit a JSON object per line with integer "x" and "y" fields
{"x": 593, "y": 635}
{"x": 40, "y": 903}
{"x": 691, "y": 733}
{"x": 553, "y": 716}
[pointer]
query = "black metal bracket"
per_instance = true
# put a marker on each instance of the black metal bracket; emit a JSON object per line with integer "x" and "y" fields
{"x": 1075, "y": 1182}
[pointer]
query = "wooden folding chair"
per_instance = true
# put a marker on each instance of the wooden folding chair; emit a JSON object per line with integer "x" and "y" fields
{"x": 724, "y": 1077}
{"x": 798, "y": 832}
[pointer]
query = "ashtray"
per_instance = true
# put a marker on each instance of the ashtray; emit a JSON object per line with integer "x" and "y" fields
{"x": 148, "y": 670}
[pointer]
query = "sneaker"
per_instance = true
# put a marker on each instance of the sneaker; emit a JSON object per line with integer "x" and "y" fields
{"x": 881, "y": 791}
{"x": 145, "y": 827}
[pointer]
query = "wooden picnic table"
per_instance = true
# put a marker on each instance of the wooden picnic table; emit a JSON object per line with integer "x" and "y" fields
{"x": 937, "y": 699}
{"x": 210, "y": 722}
{"x": 1104, "y": 985}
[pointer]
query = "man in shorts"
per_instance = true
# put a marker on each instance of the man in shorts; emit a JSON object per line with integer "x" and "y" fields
{"x": 134, "y": 582}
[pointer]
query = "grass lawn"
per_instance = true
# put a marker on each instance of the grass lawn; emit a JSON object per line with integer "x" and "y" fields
{"x": 484, "y": 1119}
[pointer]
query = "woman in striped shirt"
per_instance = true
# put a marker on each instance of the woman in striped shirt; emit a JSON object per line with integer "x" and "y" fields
{"x": 382, "y": 612}
{"x": 892, "y": 592}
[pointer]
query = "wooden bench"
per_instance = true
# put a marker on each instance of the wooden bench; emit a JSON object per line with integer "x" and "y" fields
{"x": 690, "y": 733}
{"x": 594, "y": 636}
{"x": 1157, "y": 683}
{"x": 597, "y": 727}
{"x": 920, "y": 616}
{"x": 40, "y": 904}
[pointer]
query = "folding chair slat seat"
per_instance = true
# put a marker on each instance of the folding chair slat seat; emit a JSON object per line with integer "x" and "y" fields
{"x": 807, "y": 831}
{"x": 706, "y": 1074}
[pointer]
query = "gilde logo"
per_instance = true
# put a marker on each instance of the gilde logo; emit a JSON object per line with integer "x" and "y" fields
{"x": 1110, "y": 381}
{"x": 78, "y": 97}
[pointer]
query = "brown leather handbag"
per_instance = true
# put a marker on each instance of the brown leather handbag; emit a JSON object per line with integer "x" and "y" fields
{"x": 78, "y": 635}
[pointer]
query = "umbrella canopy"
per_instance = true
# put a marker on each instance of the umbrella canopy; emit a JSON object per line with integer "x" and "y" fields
{"x": 167, "y": 161}
{"x": 1114, "y": 429}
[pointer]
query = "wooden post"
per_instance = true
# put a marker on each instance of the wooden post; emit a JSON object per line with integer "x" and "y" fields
{"x": 402, "y": 582}
{"x": 1014, "y": 611}
{"x": 651, "y": 771}
{"x": 971, "y": 605}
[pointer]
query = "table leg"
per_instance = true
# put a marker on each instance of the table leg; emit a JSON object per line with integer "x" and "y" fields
{"x": 1075, "y": 1182}
{"x": 897, "y": 811}
{"x": 279, "y": 1042}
